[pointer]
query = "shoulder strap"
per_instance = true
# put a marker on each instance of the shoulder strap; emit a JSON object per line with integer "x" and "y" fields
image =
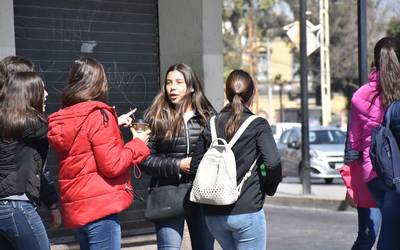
{"x": 241, "y": 129}
{"x": 247, "y": 175}
{"x": 388, "y": 115}
{"x": 213, "y": 130}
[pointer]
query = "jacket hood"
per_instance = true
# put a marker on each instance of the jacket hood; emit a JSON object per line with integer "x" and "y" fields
{"x": 65, "y": 124}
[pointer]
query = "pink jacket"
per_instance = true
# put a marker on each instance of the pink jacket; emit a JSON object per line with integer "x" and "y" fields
{"x": 366, "y": 114}
{"x": 356, "y": 187}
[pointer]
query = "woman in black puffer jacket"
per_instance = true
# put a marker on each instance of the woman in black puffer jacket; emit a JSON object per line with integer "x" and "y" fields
{"x": 177, "y": 118}
{"x": 23, "y": 151}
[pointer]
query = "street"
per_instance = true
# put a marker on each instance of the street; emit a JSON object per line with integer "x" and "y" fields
{"x": 292, "y": 228}
{"x": 309, "y": 229}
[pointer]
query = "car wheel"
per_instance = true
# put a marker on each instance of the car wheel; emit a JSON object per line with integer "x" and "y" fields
{"x": 328, "y": 180}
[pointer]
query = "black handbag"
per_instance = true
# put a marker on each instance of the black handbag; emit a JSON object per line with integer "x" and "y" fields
{"x": 166, "y": 202}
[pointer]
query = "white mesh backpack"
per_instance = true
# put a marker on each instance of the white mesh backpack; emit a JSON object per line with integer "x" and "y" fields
{"x": 215, "y": 182}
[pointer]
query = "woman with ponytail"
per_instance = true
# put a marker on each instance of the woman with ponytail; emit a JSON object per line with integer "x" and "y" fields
{"x": 241, "y": 225}
{"x": 369, "y": 104}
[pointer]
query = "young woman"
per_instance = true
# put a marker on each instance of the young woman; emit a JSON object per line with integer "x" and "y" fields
{"x": 23, "y": 152}
{"x": 94, "y": 167}
{"x": 177, "y": 117}
{"x": 241, "y": 225}
{"x": 369, "y": 103}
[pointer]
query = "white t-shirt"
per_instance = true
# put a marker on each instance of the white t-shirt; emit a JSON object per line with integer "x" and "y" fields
{"x": 187, "y": 116}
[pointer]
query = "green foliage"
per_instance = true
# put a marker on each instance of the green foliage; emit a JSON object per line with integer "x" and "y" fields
{"x": 241, "y": 15}
{"x": 394, "y": 28}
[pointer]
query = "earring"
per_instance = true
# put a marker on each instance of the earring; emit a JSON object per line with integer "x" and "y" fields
{"x": 192, "y": 90}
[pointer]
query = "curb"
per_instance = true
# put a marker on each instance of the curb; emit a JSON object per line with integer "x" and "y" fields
{"x": 309, "y": 201}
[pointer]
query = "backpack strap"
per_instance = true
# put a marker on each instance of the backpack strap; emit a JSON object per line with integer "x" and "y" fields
{"x": 213, "y": 129}
{"x": 246, "y": 176}
{"x": 388, "y": 115}
{"x": 241, "y": 129}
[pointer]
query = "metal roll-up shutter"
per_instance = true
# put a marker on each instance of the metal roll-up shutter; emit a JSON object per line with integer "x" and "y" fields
{"x": 122, "y": 34}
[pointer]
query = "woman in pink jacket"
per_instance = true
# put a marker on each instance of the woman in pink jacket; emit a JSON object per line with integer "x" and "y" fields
{"x": 369, "y": 103}
{"x": 357, "y": 155}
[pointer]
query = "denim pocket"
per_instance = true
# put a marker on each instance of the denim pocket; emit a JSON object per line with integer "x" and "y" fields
{"x": 7, "y": 221}
{"x": 240, "y": 221}
{"x": 31, "y": 216}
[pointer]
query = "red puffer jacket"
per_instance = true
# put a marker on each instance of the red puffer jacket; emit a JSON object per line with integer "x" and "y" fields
{"x": 94, "y": 163}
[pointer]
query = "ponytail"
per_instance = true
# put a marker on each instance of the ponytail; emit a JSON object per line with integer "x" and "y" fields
{"x": 234, "y": 119}
{"x": 239, "y": 89}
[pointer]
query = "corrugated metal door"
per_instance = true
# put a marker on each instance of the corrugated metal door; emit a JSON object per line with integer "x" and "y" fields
{"x": 122, "y": 34}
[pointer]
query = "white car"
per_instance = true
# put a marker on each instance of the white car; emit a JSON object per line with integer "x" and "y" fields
{"x": 326, "y": 152}
{"x": 279, "y": 127}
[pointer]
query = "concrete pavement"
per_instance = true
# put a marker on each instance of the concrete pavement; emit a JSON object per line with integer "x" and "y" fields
{"x": 289, "y": 193}
{"x": 324, "y": 196}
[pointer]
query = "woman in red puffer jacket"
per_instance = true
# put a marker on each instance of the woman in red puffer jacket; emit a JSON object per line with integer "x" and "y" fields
{"x": 94, "y": 162}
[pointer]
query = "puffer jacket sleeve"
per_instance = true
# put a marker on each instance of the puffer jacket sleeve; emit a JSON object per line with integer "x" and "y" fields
{"x": 160, "y": 165}
{"x": 266, "y": 144}
{"x": 356, "y": 125}
{"x": 113, "y": 157}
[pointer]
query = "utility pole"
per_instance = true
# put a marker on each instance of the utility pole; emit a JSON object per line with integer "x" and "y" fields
{"x": 253, "y": 49}
{"x": 362, "y": 42}
{"x": 305, "y": 147}
{"x": 325, "y": 62}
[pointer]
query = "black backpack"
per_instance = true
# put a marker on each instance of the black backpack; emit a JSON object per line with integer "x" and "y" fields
{"x": 385, "y": 153}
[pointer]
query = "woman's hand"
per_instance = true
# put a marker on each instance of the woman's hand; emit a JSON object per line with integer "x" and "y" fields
{"x": 125, "y": 120}
{"x": 55, "y": 218}
{"x": 142, "y": 135}
{"x": 185, "y": 165}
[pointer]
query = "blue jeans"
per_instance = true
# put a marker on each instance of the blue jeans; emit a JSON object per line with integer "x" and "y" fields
{"x": 369, "y": 222}
{"x": 170, "y": 231}
{"x": 102, "y": 234}
{"x": 241, "y": 231}
{"x": 389, "y": 203}
{"x": 22, "y": 225}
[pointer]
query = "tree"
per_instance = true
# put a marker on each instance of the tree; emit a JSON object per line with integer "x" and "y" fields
{"x": 394, "y": 28}
{"x": 246, "y": 24}
{"x": 343, "y": 41}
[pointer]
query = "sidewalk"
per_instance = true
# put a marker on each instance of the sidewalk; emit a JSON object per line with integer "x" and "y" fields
{"x": 324, "y": 196}
{"x": 289, "y": 193}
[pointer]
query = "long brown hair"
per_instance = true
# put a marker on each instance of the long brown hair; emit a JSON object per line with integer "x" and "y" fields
{"x": 21, "y": 104}
{"x": 239, "y": 90}
{"x": 87, "y": 81}
{"x": 386, "y": 61}
{"x": 165, "y": 118}
{"x": 12, "y": 64}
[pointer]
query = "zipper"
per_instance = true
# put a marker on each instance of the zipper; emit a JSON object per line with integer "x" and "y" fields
{"x": 187, "y": 139}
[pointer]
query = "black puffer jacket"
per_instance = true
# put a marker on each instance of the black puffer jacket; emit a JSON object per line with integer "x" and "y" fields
{"x": 22, "y": 167}
{"x": 164, "y": 162}
{"x": 256, "y": 140}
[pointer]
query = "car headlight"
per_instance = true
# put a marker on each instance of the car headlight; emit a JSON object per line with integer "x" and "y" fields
{"x": 314, "y": 154}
